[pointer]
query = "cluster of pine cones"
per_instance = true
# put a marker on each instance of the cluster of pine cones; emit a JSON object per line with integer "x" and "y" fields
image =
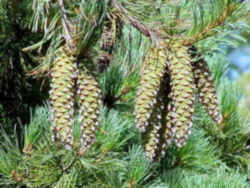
{"x": 70, "y": 82}
{"x": 164, "y": 104}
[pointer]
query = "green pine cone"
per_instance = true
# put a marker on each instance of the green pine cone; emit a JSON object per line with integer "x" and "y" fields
{"x": 206, "y": 90}
{"x": 89, "y": 103}
{"x": 151, "y": 76}
{"x": 166, "y": 131}
{"x": 62, "y": 96}
{"x": 182, "y": 93}
{"x": 159, "y": 135}
{"x": 153, "y": 134}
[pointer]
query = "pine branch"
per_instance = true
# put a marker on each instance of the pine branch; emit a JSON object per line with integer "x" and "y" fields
{"x": 209, "y": 29}
{"x": 67, "y": 25}
{"x": 144, "y": 29}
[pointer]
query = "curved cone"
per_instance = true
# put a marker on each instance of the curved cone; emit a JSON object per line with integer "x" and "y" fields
{"x": 206, "y": 89}
{"x": 89, "y": 104}
{"x": 62, "y": 96}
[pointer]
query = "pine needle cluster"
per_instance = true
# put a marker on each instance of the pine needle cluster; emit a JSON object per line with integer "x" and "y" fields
{"x": 118, "y": 65}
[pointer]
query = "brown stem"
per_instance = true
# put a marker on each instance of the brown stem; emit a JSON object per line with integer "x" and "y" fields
{"x": 147, "y": 31}
{"x": 66, "y": 25}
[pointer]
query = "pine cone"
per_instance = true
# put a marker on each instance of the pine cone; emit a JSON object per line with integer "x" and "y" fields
{"x": 89, "y": 104}
{"x": 108, "y": 38}
{"x": 182, "y": 93}
{"x": 109, "y": 33}
{"x": 62, "y": 96}
{"x": 159, "y": 135}
{"x": 206, "y": 89}
{"x": 153, "y": 134}
{"x": 166, "y": 131}
{"x": 151, "y": 76}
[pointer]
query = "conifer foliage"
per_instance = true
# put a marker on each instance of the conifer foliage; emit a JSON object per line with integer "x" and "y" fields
{"x": 138, "y": 95}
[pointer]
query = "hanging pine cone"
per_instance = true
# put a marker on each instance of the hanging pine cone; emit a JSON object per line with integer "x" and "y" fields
{"x": 206, "y": 89}
{"x": 151, "y": 75}
{"x": 62, "y": 96}
{"x": 166, "y": 134}
{"x": 153, "y": 134}
{"x": 167, "y": 130}
{"x": 182, "y": 93}
{"x": 159, "y": 135}
{"x": 108, "y": 37}
{"x": 89, "y": 104}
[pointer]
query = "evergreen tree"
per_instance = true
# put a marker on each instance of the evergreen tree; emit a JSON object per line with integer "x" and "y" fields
{"x": 138, "y": 94}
